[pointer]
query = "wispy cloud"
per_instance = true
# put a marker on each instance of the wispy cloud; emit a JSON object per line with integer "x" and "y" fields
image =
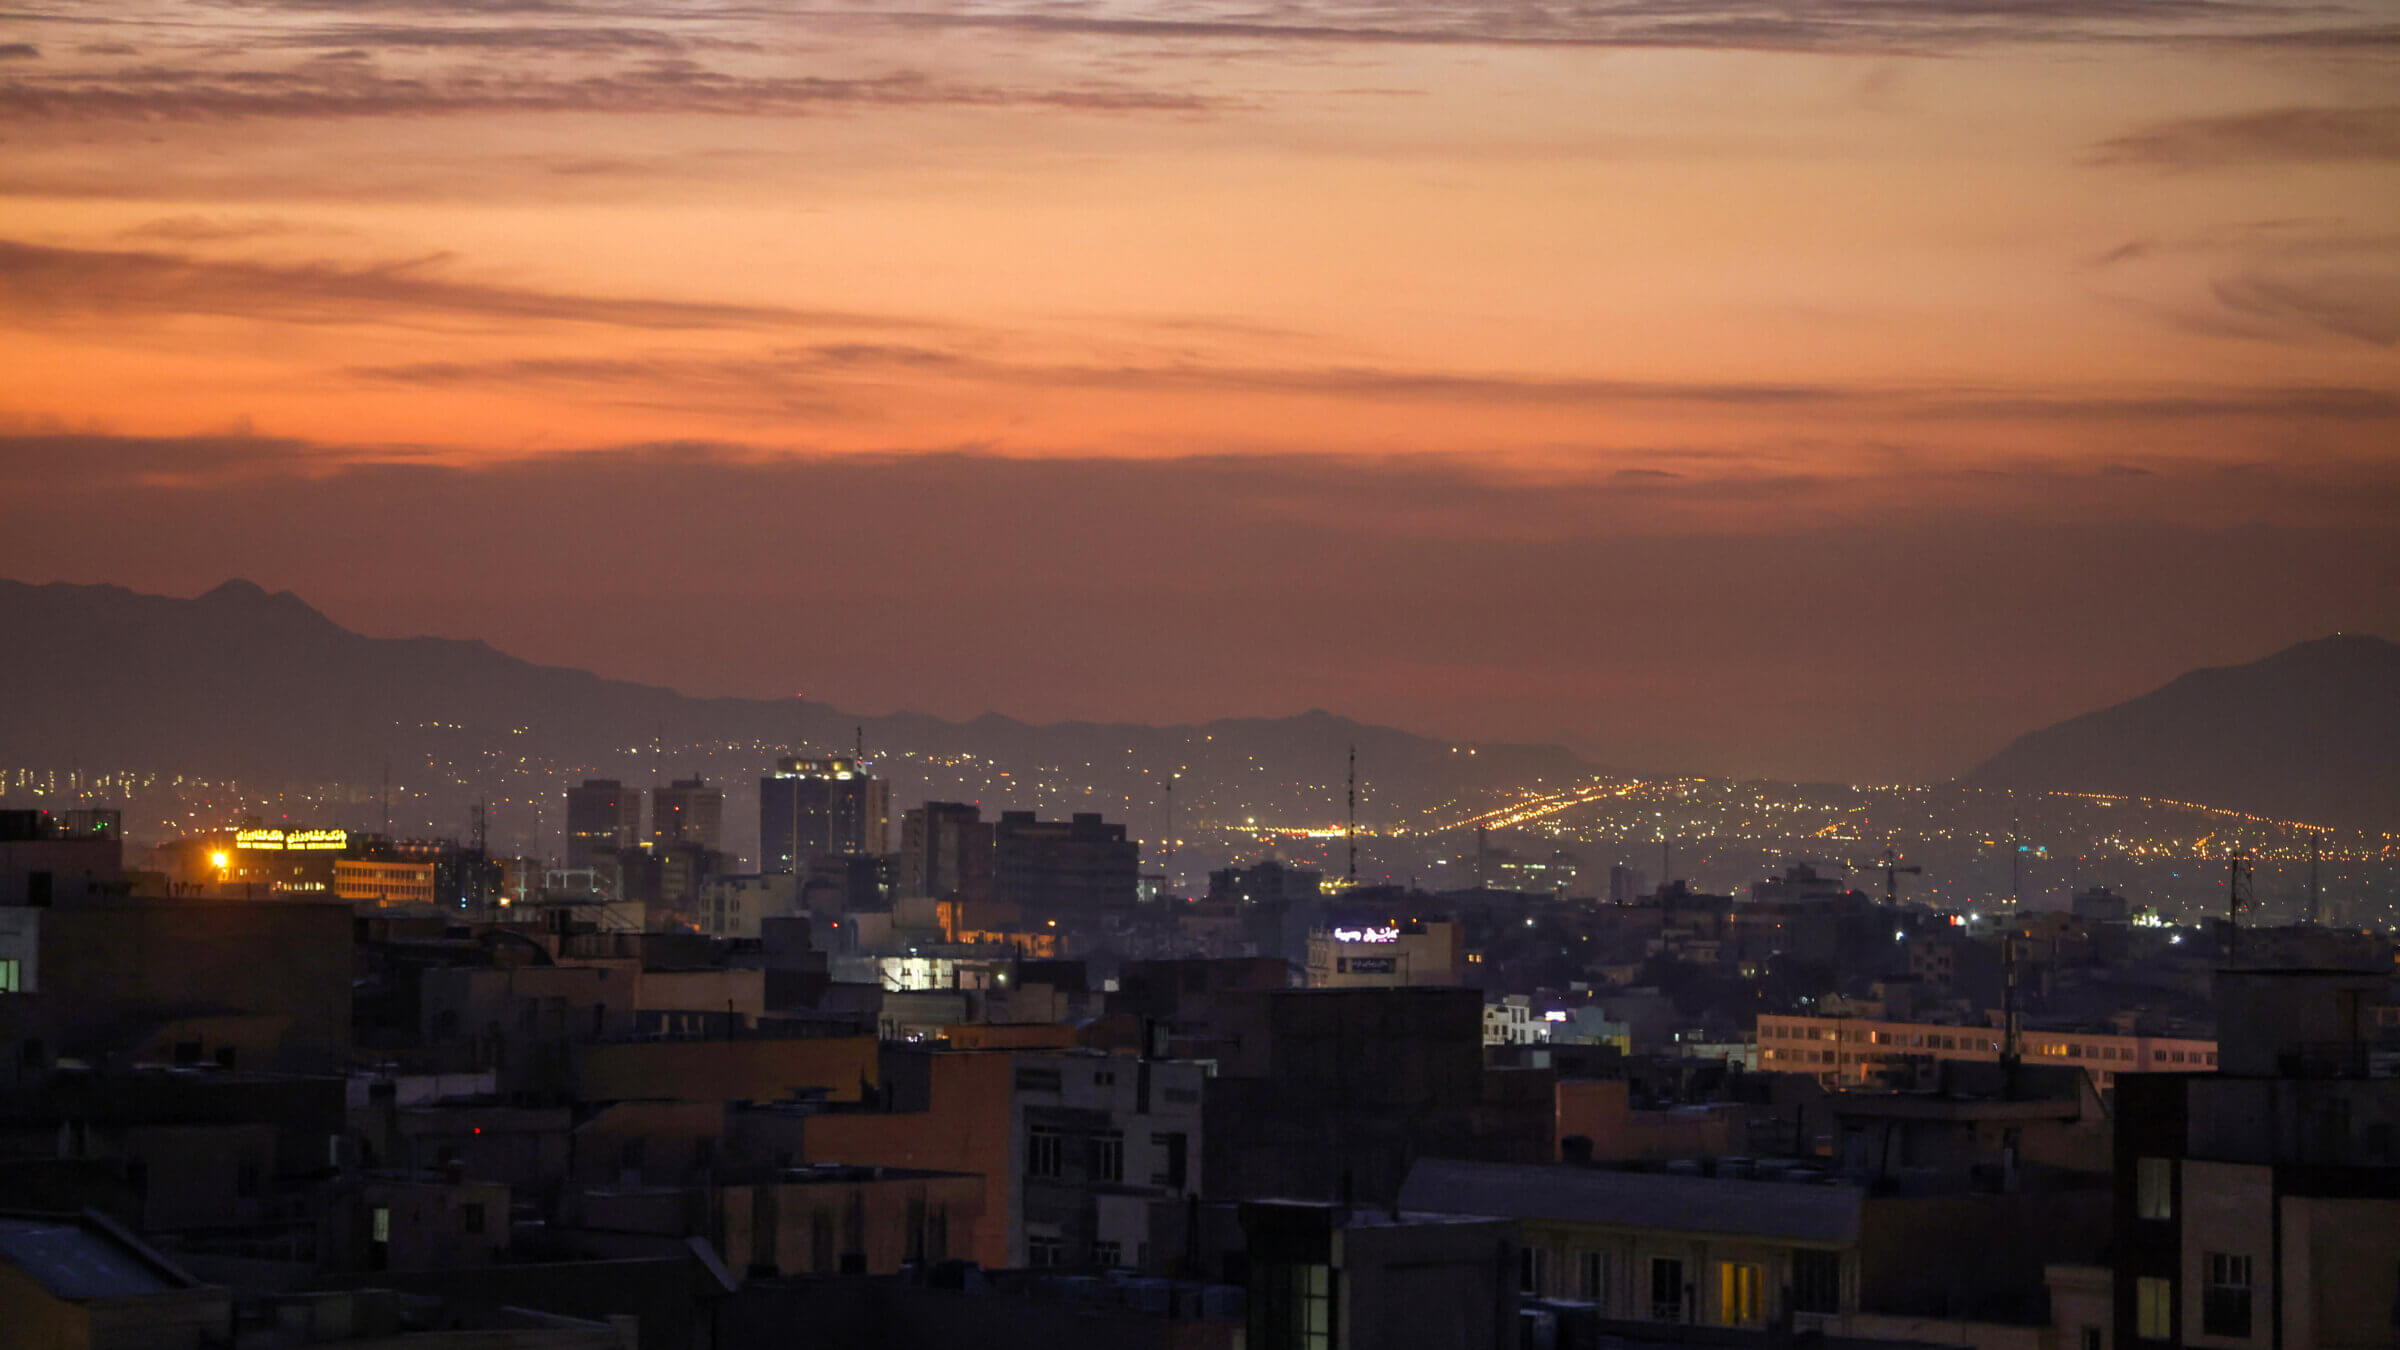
{"x": 356, "y": 88}
{"x": 2273, "y": 136}
{"x": 39, "y": 282}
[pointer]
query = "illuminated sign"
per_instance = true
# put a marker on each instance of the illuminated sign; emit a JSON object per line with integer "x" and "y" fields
{"x": 1554, "y": 1016}
{"x": 1387, "y": 933}
{"x": 294, "y": 840}
{"x": 1370, "y": 965}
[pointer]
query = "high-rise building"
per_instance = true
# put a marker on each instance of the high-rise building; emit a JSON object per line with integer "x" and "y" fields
{"x": 602, "y": 817}
{"x": 945, "y": 852}
{"x": 812, "y": 807}
{"x": 1049, "y": 867}
{"x": 687, "y": 811}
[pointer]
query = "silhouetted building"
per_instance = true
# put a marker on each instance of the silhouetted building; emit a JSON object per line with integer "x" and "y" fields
{"x": 812, "y": 807}
{"x": 603, "y": 816}
{"x": 1333, "y": 1277}
{"x": 1080, "y": 866}
{"x": 945, "y": 852}
{"x": 687, "y": 811}
{"x": 1269, "y": 881}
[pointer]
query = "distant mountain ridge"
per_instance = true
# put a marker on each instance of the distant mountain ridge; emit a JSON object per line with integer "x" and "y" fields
{"x": 242, "y": 683}
{"x": 2311, "y": 733}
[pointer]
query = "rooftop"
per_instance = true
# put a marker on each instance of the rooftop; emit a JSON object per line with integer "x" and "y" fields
{"x": 1558, "y": 1191}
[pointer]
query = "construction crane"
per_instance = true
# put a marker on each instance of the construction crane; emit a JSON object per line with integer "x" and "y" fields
{"x": 1891, "y": 868}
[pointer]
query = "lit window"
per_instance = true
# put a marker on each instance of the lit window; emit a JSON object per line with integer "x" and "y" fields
{"x": 10, "y": 977}
{"x": 2153, "y": 1308}
{"x": 2154, "y": 1188}
{"x": 1741, "y": 1295}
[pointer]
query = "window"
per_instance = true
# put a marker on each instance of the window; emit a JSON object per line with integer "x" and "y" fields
{"x": 1533, "y": 1271}
{"x": 473, "y": 1217}
{"x": 1741, "y": 1294}
{"x": 1045, "y": 1251}
{"x": 1173, "y": 1160}
{"x": 2090, "y": 1339}
{"x": 1816, "y": 1281}
{"x": 1291, "y": 1308}
{"x": 1666, "y": 1289}
{"x": 1045, "y": 1154}
{"x": 2225, "y": 1299}
{"x": 9, "y": 978}
{"x": 2154, "y": 1188}
{"x": 1108, "y": 1156}
{"x": 1591, "y": 1278}
{"x": 1108, "y": 1255}
{"x": 2153, "y": 1308}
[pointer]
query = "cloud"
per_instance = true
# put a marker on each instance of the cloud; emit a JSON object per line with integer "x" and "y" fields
{"x": 38, "y": 282}
{"x": 769, "y": 379}
{"x": 2362, "y": 305}
{"x": 354, "y": 88}
{"x": 197, "y": 229}
{"x": 2276, "y": 136}
{"x": 19, "y": 51}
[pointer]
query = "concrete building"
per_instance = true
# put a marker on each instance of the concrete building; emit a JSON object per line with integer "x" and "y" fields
{"x": 1386, "y": 955}
{"x": 687, "y": 811}
{"x": 373, "y": 881}
{"x": 1059, "y": 868}
{"x": 1861, "y": 1051}
{"x": 1087, "y": 1159}
{"x": 1331, "y": 1277}
{"x": 83, "y": 1283}
{"x": 945, "y": 852}
{"x": 836, "y": 1219}
{"x": 2259, "y": 1205}
{"x": 1269, "y": 881}
{"x": 603, "y": 816}
{"x": 829, "y": 805}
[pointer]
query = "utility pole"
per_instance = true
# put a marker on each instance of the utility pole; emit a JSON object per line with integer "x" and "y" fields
{"x": 1169, "y": 867}
{"x": 2237, "y": 873}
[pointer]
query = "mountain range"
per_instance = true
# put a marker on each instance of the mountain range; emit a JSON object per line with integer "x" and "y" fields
{"x": 243, "y": 684}
{"x": 2309, "y": 734}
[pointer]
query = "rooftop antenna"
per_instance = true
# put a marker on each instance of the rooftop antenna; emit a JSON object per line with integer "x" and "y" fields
{"x": 2237, "y": 876}
{"x": 1169, "y": 862}
{"x": 858, "y": 749}
{"x": 387, "y": 796}
{"x": 1350, "y": 835}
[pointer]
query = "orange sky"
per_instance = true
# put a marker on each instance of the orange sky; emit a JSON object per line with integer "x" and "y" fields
{"x": 1703, "y": 271}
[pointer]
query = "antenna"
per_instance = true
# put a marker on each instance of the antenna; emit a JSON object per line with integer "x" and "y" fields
{"x": 2237, "y": 897}
{"x": 1350, "y": 835}
{"x": 387, "y": 796}
{"x": 1168, "y": 863}
{"x": 2009, "y": 1048}
{"x": 2315, "y": 845}
{"x": 858, "y": 749}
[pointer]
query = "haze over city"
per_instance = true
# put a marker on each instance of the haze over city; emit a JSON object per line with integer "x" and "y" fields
{"x": 1832, "y": 393}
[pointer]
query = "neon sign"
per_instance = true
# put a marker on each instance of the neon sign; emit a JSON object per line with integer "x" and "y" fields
{"x": 1387, "y": 933}
{"x": 295, "y": 840}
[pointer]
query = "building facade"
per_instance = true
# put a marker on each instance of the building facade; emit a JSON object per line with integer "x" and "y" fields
{"x": 829, "y": 806}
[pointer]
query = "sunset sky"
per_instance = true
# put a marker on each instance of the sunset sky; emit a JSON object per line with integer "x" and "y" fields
{"x": 1818, "y": 389}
